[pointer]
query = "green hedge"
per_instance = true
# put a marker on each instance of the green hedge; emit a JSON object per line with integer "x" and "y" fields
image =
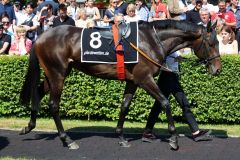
{"x": 213, "y": 99}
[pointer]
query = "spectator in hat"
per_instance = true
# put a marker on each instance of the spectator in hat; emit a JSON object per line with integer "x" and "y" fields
{"x": 5, "y": 41}
{"x": 18, "y": 12}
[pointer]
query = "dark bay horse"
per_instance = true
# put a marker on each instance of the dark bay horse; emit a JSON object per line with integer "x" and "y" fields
{"x": 58, "y": 50}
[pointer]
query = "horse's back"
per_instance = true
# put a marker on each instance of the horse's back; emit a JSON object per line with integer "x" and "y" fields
{"x": 62, "y": 40}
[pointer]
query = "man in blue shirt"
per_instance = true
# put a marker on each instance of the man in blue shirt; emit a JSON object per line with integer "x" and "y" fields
{"x": 6, "y": 7}
{"x": 121, "y": 8}
{"x": 52, "y": 2}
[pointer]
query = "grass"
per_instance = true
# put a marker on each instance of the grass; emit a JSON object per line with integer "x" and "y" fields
{"x": 109, "y": 126}
{"x": 11, "y": 158}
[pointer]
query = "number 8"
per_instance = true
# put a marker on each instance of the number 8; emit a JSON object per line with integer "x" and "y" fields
{"x": 95, "y": 39}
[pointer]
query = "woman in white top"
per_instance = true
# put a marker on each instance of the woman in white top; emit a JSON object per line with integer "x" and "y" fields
{"x": 227, "y": 42}
{"x": 82, "y": 21}
{"x": 73, "y": 10}
{"x": 92, "y": 11}
{"x": 131, "y": 14}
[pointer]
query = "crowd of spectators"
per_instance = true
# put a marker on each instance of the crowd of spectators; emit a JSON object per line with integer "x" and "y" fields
{"x": 21, "y": 24}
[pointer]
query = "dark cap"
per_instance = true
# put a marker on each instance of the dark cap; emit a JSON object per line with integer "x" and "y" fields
{"x": 199, "y": 1}
{"x": 17, "y": 3}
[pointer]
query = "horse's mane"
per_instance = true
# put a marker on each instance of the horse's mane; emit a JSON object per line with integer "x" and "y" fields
{"x": 172, "y": 24}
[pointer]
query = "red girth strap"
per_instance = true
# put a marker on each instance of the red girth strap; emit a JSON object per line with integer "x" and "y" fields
{"x": 119, "y": 53}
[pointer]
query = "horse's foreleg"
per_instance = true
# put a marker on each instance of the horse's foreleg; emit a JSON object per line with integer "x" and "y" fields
{"x": 151, "y": 87}
{"x": 56, "y": 86}
{"x": 42, "y": 90}
{"x": 130, "y": 89}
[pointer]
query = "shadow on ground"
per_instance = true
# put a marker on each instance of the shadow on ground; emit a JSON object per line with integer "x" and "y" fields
{"x": 3, "y": 142}
{"x": 162, "y": 132}
{"x": 132, "y": 134}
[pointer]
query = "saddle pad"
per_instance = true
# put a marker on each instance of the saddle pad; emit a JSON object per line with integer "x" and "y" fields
{"x": 98, "y": 49}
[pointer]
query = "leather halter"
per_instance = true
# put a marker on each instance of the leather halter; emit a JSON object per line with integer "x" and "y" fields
{"x": 206, "y": 59}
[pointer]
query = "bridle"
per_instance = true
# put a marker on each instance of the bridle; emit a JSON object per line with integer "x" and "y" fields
{"x": 207, "y": 60}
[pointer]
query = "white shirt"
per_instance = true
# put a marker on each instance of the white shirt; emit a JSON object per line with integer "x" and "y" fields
{"x": 129, "y": 19}
{"x": 182, "y": 5}
{"x": 19, "y": 17}
{"x": 229, "y": 48}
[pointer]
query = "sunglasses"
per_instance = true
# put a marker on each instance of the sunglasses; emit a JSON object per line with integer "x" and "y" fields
{"x": 5, "y": 22}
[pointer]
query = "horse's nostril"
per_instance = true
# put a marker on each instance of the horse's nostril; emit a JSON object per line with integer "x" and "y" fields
{"x": 218, "y": 72}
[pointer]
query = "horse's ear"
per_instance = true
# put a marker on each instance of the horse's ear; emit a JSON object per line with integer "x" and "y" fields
{"x": 214, "y": 25}
{"x": 209, "y": 26}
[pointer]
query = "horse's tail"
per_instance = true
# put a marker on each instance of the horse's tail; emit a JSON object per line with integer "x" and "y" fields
{"x": 30, "y": 87}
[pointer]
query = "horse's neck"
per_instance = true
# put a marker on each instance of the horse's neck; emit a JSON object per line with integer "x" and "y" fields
{"x": 177, "y": 41}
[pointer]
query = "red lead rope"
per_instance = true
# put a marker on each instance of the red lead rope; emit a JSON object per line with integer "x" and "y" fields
{"x": 119, "y": 53}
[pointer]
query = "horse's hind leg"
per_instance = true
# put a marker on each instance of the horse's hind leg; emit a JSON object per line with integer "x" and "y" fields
{"x": 42, "y": 90}
{"x": 173, "y": 140}
{"x": 56, "y": 86}
{"x": 151, "y": 87}
{"x": 130, "y": 89}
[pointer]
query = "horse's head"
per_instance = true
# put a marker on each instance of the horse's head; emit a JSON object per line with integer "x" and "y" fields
{"x": 206, "y": 49}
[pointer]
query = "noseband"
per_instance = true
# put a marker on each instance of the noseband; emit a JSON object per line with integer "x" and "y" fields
{"x": 207, "y": 60}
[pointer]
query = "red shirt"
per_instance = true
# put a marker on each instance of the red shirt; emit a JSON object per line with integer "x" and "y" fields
{"x": 227, "y": 16}
{"x": 160, "y": 7}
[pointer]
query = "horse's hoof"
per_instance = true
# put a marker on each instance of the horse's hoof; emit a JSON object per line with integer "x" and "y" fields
{"x": 124, "y": 144}
{"x": 25, "y": 130}
{"x": 73, "y": 146}
{"x": 173, "y": 142}
{"x": 174, "y": 146}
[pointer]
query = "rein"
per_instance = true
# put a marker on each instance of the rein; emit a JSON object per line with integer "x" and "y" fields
{"x": 148, "y": 58}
